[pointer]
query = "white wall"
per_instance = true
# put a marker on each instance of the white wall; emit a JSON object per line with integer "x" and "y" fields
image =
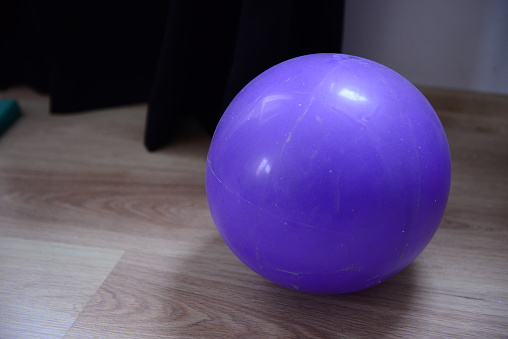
{"x": 460, "y": 44}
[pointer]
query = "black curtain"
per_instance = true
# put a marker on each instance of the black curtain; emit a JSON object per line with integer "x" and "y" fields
{"x": 85, "y": 54}
{"x": 185, "y": 58}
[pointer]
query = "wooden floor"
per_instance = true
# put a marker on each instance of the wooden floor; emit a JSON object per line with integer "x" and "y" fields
{"x": 101, "y": 239}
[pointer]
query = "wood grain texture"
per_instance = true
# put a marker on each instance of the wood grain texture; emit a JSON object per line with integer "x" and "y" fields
{"x": 85, "y": 183}
{"x": 44, "y": 286}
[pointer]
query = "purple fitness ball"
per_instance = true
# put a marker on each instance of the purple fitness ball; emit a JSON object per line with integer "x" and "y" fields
{"x": 328, "y": 173}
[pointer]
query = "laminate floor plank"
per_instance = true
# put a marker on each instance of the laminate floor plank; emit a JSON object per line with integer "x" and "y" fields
{"x": 101, "y": 239}
{"x": 44, "y": 286}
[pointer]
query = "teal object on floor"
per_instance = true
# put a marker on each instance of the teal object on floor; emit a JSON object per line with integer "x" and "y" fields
{"x": 9, "y": 112}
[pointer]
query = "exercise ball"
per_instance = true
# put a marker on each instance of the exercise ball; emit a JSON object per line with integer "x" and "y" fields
{"x": 328, "y": 173}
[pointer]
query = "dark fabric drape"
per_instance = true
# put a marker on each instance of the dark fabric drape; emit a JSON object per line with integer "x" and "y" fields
{"x": 207, "y": 59}
{"x": 85, "y": 54}
{"x": 186, "y": 58}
